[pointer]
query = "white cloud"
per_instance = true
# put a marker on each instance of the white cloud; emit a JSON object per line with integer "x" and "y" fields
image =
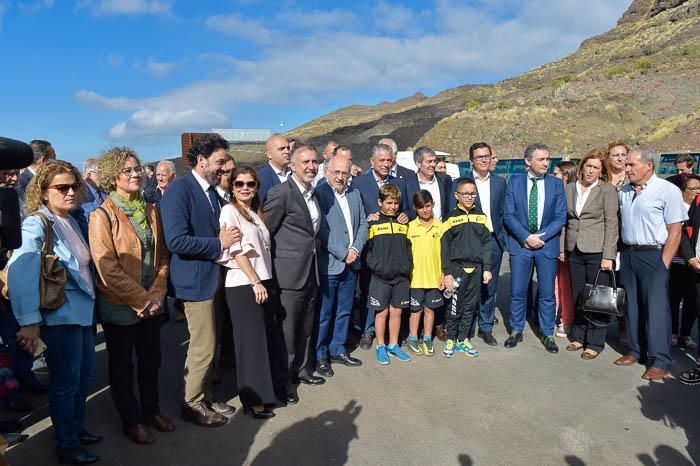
{"x": 394, "y": 18}
{"x": 235, "y": 25}
{"x": 36, "y": 6}
{"x": 335, "y": 20}
{"x": 115, "y": 59}
{"x": 127, "y": 7}
{"x": 465, "y": 44}
{"x": 159, "y": 69}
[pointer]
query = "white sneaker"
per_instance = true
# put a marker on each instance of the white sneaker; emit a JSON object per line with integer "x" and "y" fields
{"x": 560, "y": 331}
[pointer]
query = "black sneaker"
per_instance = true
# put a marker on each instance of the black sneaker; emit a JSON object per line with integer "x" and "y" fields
{"x": 550, "y": 345}
{"x": 513, "y": 340}
{"x": 366, "y": 340}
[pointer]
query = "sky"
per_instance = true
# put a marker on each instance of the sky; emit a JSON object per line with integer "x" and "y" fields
{"x": 88, "y": 75}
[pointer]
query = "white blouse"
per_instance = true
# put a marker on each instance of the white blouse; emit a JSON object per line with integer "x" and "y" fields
{"x": 254, "y": 243}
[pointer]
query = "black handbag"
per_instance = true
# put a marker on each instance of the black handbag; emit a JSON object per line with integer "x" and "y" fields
{"x": 602, "y": 299}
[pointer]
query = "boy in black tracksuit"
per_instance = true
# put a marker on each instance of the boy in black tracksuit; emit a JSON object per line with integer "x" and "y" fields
{"x": 466, "y": 263}
{"x": 389, "y": 258}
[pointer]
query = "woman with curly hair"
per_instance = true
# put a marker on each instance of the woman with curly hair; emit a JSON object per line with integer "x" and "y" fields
{"x": 55, "y": 190}
{"x": 131, "y": 258}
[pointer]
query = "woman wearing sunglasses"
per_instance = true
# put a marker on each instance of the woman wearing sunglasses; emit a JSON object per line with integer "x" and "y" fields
{"x": 248, "y": 287}
{"x": 131, "y": 258}
{"x": 55, "y": 190}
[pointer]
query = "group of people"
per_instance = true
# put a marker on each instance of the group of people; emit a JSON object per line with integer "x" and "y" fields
{"x": 288, "y": 259}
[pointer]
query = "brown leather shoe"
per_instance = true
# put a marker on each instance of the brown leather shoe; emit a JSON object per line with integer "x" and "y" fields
{"x": 139, "y": 434}
{"x": 655, "y": 373}
{"x": 440, "y": 333}
{"x": 201, "y": 415}
{"x": 160, "y": 422}
{"x": 625, "y": 360}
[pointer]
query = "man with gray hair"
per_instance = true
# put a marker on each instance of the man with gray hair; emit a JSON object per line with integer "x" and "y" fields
{"x": 43, "y": 152}
{"x": 94, "y": 195}
{"x": 165, "y": 174}
{"x": 651, "y": 212}
{"x": 534, "y": 213}
{"x": 397, "y": 171}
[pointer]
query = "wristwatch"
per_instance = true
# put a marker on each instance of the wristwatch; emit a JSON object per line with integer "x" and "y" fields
{"x": 256, "y": 282}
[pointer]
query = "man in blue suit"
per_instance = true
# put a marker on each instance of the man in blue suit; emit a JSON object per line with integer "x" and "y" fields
{"x": 190, "y": 211}
{"x": 491, "y": 195}
{"x": 368, "y": 185}
{"x": 397, "y": 171}
{"x": 277, "y": 170}
{"x": 343, "y": 234}
{"x": 534, "y": 214}
{"x": 426, "y": 178}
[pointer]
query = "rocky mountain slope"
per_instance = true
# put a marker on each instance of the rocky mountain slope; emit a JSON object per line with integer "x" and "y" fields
{"x": 640, "y": 81}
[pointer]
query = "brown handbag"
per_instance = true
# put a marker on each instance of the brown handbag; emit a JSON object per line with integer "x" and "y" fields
{"x": 53, "y": 278}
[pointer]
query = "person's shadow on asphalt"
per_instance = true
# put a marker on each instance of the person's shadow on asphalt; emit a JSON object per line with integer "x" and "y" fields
{"x": 321, "y": 440}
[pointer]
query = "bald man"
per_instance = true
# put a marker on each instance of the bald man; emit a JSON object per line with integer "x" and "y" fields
{"x": 276, "y": 170}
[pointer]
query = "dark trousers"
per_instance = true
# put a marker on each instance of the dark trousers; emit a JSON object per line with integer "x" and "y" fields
{"x": 252, "y": 323}
{"x": 366, "y": 318}
{"x": 682, "y": 289}
{"x": 22, "y": 360}
{"x": 644, "y": 277}
{"x": 589, "y": 329}
{"x": 336, "y": 297}
{"x": 70, "y": 357}
{"x": 462, "y": 307}
{"x": 299, "y": 309}
{"x": 487, "y": 304}
{"x": 123, "y": 341}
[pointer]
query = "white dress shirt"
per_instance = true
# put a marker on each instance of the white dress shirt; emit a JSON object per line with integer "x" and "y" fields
{"x": 281, "y": 175}
{"x": 433, "y": 187}
{"x": 540, "y": 196}
{"x": 581, "y": 198}
{"x": 205, "y": 186}
{"x": 342, "y": 199}
{"x": 223, "y": 194}
{"x": 483, "y": 188}
{"x": 310, "y": 204}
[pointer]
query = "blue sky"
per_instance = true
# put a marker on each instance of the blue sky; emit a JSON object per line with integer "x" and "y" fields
{"x": 91, "y": 74}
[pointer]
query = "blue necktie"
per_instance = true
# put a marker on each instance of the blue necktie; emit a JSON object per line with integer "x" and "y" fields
{"x": 214, "y": 201}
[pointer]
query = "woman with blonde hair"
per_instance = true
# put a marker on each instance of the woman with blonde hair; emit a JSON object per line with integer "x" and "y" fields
{"x": 55, "y": 190}
{"x": 131, "y": 258}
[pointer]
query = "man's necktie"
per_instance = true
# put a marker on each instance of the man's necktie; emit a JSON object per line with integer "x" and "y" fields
{"x": 214, "y": 201}
{"x": 532, "y": 207}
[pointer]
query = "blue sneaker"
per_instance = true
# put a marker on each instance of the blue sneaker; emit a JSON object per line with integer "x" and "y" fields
{"x": 466, "y": 346}
{"x": 397, "y": 352}
{"x": 382, "y": 356}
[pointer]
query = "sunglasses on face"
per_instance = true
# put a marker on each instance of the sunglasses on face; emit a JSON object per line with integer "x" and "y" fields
{"x": 247, "y": 184}
{"x": 129, "y": 170}
{"x": 64, "y": 188}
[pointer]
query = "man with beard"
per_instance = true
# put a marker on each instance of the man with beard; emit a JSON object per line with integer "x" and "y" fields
{"x": 191, "y": 209}
{"x": 293, "y": 217}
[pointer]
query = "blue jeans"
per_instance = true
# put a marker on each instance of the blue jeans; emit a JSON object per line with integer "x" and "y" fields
{"x": 70, "y": 357}
{"x": 337, "y": 293}
{"x": 22, "y": 360}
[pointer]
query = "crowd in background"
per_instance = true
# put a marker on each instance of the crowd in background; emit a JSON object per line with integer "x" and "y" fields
{"x": 277, "y": 270}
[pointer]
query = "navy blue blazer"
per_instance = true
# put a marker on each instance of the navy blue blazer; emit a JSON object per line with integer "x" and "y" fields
{"x": 413, "y": 186}
{"x": 268, "y": 179}
{"x": 498, "y": 196}
{"x": 192, "y": 234}
{"x": 403, "y": 173}
{"x": 335, "y": 239}
{"x": 515, "y": 214}
{"x": 369, "y": 190}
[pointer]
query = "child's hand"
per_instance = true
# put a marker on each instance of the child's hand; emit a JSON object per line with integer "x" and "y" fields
{"x": 486, "y": 277}
{"x": 449, "y": 282}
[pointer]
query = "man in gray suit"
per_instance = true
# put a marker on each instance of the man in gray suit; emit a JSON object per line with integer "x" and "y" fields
{"x": 343, "y": 234}
{"x": 293, "y": 217}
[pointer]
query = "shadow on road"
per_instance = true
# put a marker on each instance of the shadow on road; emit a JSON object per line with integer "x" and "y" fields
{"x": 322, "y": 440}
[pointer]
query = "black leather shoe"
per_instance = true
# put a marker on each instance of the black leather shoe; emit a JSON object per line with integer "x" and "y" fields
{"x": 312, "y": 380}
{"x": 221, "y": 408}
{"x": 366, "y": 340}
{"x": 292, "y": 397}
{"x": 513, "y": 340}
{"x": 75, "y": 456}
{"x": 264, "y": 414}
{"x": 86, "y": 438}
{"x": 550, "y": 345}
{"x": 201, "y": 415}
{"x": 324, "y": 368}
{"x": 488, "y": 338}
{"x": 346, "y": 360}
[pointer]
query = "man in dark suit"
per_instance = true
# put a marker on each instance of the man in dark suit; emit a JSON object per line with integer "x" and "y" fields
{"x": 491, "y": 190}
{"x": 190, "y": 213}
{"x": 426, "y": 178}
{"x": 276, "y": 170}
{"x": 534, "y": 214}
{"x": 293, "y": 217}
{"x": 368, "y": 185}
{"x": 43, "y": 152}
{"x": 165, "y": 175}
{"x": 343, "y": 234}
{"x": 397, "y": 171}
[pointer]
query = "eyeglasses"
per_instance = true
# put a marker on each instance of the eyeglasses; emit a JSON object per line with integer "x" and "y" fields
{"x": 339, "y": 174}
{"x": 465, "y": 195}
{"x": 128, "y": 171}
{"x": 64, "y": 188}
{"x": 247, "y": 184}
{"x": 483, "y": 158}
{"x": 696, "y": 188}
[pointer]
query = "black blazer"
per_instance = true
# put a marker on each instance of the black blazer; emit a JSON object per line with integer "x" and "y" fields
{"x": 498, "y": 195}
{"x": 413, "y": 186}
{"x": 688, "y": 243}
{"x": 294, "y": 241}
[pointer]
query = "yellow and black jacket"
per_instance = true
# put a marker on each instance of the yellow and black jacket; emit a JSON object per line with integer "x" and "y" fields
{"x": 466, "y": 241}
{"x": 388, "y": 249}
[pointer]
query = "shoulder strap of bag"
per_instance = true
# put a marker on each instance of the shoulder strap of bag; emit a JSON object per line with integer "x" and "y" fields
{"x": 47, "y": 248}
{"x": 109, "y": 220}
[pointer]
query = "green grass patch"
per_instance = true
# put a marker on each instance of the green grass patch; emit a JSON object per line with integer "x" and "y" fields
{"x": 471, "y": 105}
{"x": 615, "y": 70}
{"x": 644, "y": 63}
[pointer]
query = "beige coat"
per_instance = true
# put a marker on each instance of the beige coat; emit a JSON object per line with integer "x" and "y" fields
{"x": 596, "y": 229}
